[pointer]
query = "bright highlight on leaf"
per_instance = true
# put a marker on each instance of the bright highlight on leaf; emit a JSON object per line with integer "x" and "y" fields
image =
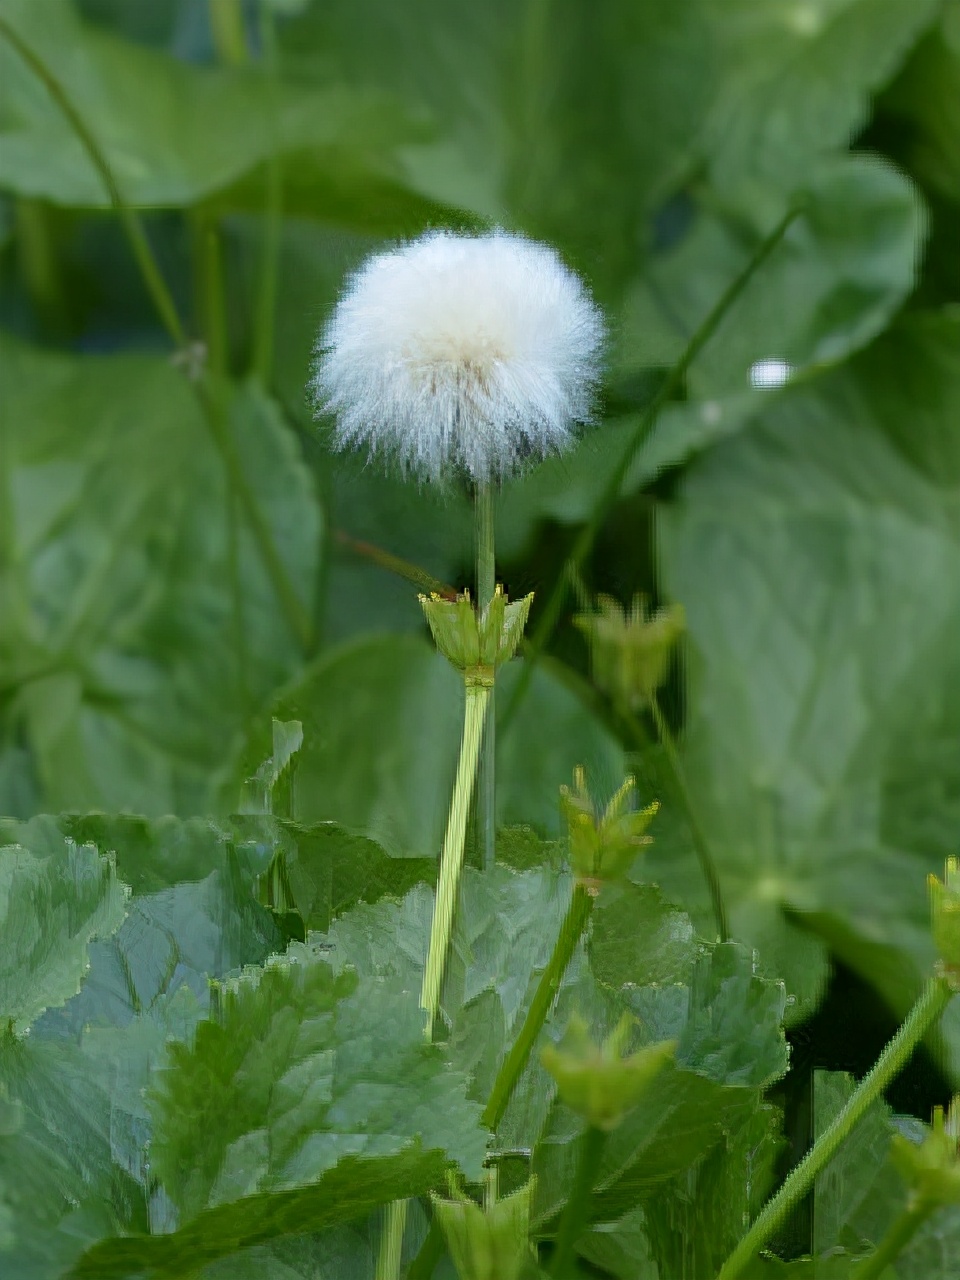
{"x": 460, "y": 354}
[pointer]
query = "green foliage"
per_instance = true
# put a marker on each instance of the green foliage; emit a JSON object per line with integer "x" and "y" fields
{"x": 50, "y": 909}
{"x": 212, "y": 1060}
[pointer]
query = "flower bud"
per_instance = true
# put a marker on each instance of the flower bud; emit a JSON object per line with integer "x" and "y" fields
{"x": 603, "y": 846}
{"x": 596, "y": 1081}
{"x": 477, "y": 642}
{"x": 931, "y": 1168}
{"x": 490, "y": 1243}
{"x": 629, "y": 653}
{"x": 945, "y": 912}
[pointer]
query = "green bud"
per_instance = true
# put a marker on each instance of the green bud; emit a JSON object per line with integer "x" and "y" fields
{"x": 603, "y": 846}
{"x": 597, "y": 1081}
{"x": 476, "y": 643}
{"x": 945, "y": 912}
{"x": 490, "y": 1243}
{"x": 630, "y": 653}
{"x": 931, "y": 1168}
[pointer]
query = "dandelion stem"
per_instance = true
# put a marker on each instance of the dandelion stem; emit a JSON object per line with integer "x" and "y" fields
{"x": 550, "y": 615}
{"x": 574, "y": 923}
{"x": 486, "y": 585}
{"x": 933, "y": 1000}
{"x": 697, "y": 833}
{"x": 562, "y": 1263}
{"x": 451, "y": 856}
{"x": 391, "y": 1241}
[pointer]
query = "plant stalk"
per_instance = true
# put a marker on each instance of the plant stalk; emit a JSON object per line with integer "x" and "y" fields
{"x": 227, "y": 29}
{"x": 901, "y": 1232}
{"x": 932, "y": 1001}
{"x": 391, "y": 1241}
{"x": 563, "y": 1261}
{"x": 697, "y": 833}
{"x": 550, "y": 615}
{"x": 571, "y": 930}
{"x": 486, "y": 585}
{"x": 451, "y": 856}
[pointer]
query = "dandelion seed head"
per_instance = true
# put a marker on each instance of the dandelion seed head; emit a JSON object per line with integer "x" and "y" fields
{"x": 460, "y": 354}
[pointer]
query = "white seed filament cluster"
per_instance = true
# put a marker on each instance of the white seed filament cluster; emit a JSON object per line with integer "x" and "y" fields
{"x": 460, "y": 354}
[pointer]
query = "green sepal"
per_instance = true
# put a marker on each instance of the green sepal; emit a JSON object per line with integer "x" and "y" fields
{"x": 604, "y": 845}
{"x": 476, "y": 642}
{"x": 931, "y": 1168}
{"x": 630, "y": 652}
{"x": 597, "y": 1081}
{"x": 489, "y": 1243}
{"x": 945, "y": 918}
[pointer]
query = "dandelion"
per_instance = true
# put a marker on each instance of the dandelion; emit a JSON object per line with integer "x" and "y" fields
{"x": 460, "y": 354}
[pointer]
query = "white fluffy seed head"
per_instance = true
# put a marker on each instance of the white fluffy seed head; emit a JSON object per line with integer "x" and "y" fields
{"x": 460, "y": 354}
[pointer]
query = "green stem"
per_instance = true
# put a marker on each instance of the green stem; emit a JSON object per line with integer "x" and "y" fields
{"x": 571, "y": 930}
{"x": 129, "y": 221}
{"x": 486, "y": 585}
{"x": 451, "y": 856}
{"x": 226, "y": 27}
{"x": 698, "y": 835}
{"x": 932, "y": 1001}
{"x": 391, "y": 1241}
{"x": 563, "y": 1260}
{"x": 272, "y": 215}
{"x": 904, "y": 1228}
{"x": 550, "y": 615}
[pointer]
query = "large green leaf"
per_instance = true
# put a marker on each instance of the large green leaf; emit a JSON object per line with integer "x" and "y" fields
{"x": 289, "y": 1078}
{"x": 65, "y": 1180}
{"x": 819, "y": 559}
{"x": 797, "y": 80}
{"x": 50, "y": 910}
{"x": 174, "y": 133}
{"x": 382, "y": 719}
{"x": 140, "y": 624}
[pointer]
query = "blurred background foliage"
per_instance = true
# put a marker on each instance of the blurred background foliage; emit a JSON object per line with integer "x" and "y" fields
{"x": 181, "y": 556}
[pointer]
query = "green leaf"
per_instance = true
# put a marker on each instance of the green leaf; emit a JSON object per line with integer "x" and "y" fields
{"x": 289, "y": 1078}
{"x": 355, "y": 1187}
{"x": 50, "y": 910}
{"x": 193, "y": 915}
{"x": 694, "y": 1223}
{"x": 362, "y": 704}
{"x": 175, "y": 133}
{"x": 141, "y": 625}
{"x": 327, "y": 870}
{"x": 815, "y": 707}
{"x": 70, "y": 1162}
{"x": 797, "y": 80}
